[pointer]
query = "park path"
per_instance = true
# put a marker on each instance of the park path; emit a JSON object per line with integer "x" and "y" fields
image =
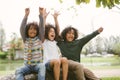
{"x": 107, "y": 72}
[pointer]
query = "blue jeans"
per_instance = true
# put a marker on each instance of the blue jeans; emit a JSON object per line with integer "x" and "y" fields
{"x": 27, "y": 69}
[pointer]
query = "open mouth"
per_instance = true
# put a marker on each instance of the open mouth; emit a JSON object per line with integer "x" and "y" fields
{"x": 32, "y": 33}
{"x": 52, "y": 35}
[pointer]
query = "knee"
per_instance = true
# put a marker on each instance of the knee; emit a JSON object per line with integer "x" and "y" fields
{"x": 64, "y": 61}
{"x": 18, "y": 71}
{"x": 56, "y": 63}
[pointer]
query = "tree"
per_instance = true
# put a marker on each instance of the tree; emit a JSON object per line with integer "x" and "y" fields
{"x": 19, "y": 44}
{"x": 12, "y": 46}
{"x": 99, "y": 44}
{"x": 105, "y": 3}
{"x": 2, "y": 37}
{"x": 112, "y": 44}
{"x": 116, "y": 48}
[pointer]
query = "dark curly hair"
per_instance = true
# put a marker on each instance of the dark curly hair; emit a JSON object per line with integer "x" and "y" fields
{"x": 47, "y": 29}
{"x": 66, "y": 30}
{"x": 34, "y": 25}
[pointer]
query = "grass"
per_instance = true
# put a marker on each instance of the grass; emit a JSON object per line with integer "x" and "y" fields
{"x": 3, "y": 61}
{"x": 101, "y": 62}
{"x": 2, "y": 73}
{"x": 104, "y": 67}
{"x": 9, "y": 66}
{"x": 114, "y": 59}
{"x": 111, "y": 78}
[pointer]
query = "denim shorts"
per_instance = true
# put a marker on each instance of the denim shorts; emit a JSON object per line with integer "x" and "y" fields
{"x": 47, "y": 65}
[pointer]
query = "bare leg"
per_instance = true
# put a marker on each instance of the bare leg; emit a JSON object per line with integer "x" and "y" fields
{"x": 64, "y": 63}
{"x": 56, "y": 68}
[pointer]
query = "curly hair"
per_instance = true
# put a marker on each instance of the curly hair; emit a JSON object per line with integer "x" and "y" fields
{"x": 47, "y": 29}
{"x": 34, "y": 25}
{"x": 66, "y": 30}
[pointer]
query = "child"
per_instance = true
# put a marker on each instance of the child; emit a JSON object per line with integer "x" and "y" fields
{"x": 71, "y": 47}
{"x": 53, "y": 58}
{"x": 53, "y": 54}
{"x": 51, "y": 35}
{"x": 32, "y": 36}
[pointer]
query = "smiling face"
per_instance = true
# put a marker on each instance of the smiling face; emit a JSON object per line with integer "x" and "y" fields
{"x": 70, "y": 35}
{"x": 32, "y": 32}
{"x": 51, "y": 34}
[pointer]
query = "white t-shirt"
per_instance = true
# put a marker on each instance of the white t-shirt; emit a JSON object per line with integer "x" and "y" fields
{"x": 51, "y": 50}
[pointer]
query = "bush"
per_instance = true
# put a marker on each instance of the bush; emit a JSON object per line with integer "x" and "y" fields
{"x": 3, "y": 55}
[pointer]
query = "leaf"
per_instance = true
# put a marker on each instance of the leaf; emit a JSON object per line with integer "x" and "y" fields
{"x": 117, "y": 1}
{"x": 61, "y": 1}
{"x": 104, "y": 3}
{"x": 87, "y": 1}
{"x": 78, "y": 2}
{"x": 98, "y": 3}
{"x": 108, "y": 2}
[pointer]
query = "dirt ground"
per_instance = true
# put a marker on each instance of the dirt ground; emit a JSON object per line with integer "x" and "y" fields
{"x": 107, "y": 73}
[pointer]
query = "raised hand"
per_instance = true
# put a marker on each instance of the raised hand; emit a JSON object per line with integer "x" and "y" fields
{"x": 100, "y": 29}
{"x": 56, "y": 14}
{"x": 27, "y": 11}
{"x": 43, "y": 12}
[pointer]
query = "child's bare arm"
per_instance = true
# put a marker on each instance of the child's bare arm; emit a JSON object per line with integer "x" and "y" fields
{"x": 55, "y": 16}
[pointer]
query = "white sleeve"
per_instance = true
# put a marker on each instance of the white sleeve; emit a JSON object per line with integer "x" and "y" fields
{"x": 59, "y": 52}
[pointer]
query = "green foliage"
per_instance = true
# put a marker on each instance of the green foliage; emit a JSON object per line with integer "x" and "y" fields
{"x": 78, "y": 2}
{"x": 3, "y": 55}
{"x": 107, "y": 3}
{"x": 2, "y": 36}
{"x": 99, "y": 3}
{"x": 82, "y": 1}
{"x": 116, "y": 48}
{"x": 61, "y": 1}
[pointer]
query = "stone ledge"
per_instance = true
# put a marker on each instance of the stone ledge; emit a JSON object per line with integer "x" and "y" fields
{"x": 33, "y": 76}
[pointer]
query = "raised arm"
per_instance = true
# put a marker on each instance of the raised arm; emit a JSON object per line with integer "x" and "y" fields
{"x": 55, "y": 16}
{"x": 42, "y": 15}
{"x": 23, "y": 24}
{"x": 88, "y": 37}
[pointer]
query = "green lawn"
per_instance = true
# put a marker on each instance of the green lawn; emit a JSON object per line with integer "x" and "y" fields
{"x": 114, "y": 59}
{"x": 101, "y": 62}
{"x": 9, "y": 66}
{"x": 111, "y": 78}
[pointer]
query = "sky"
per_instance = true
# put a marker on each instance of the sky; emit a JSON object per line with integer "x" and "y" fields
{"x": 88, "y": 19}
